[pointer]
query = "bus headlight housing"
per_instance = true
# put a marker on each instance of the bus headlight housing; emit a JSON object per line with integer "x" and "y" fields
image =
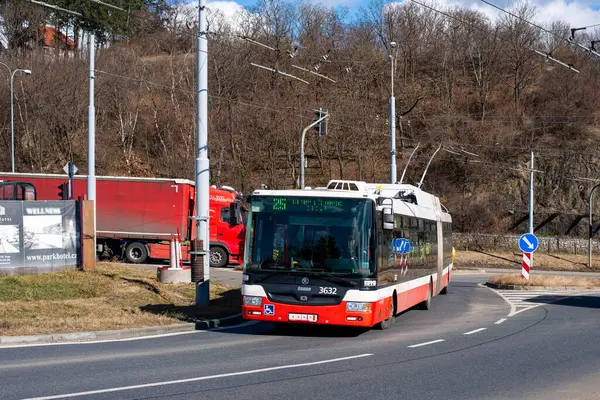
{"x": 253, "y": 301}
{"x": 353, "y": 306}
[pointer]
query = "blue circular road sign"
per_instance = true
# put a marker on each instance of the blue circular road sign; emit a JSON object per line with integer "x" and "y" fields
{"x": 528, "y": 243}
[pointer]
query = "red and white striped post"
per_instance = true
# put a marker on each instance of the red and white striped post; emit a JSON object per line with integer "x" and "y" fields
{"x": 526, "y": 265}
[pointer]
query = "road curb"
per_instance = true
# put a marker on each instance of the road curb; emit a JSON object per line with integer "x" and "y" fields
{"x": 121, "y": 333}
{"x": 525, "y": 288}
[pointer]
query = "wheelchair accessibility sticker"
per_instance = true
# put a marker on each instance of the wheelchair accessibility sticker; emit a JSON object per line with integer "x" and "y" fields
{"x": 269, "y": 309}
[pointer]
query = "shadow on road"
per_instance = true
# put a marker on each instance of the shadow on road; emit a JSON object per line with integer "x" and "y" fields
{"x": 300, "y": 330}
{"x": 498, "y": 257}
{"x": 582, "y": 301}
{"x": 226, "y": 304}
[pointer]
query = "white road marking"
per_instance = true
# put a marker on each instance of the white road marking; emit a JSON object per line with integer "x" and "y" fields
{"x": 475, "y": 331}
{"x": 200, "y": 378}
{"x": 426, "y": 343}
{"x": 161, "y": 335}
{"x": 501, "y": 320}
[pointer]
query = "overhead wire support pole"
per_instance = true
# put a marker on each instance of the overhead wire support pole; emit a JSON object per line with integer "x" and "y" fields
{"x": 531, "y": 206}
{"x": 393, "y": 172}
{"x": 202, "y": 161}
{"x": 91, "y": 179}
{"x": 302, "y": 147}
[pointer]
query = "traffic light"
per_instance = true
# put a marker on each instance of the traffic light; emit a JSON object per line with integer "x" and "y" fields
{"x": 321, "y": 127}
{"x": 63, "y": 191}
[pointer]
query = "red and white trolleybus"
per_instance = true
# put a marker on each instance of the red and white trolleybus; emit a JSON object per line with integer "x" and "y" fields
{"x": 353, "y": 254}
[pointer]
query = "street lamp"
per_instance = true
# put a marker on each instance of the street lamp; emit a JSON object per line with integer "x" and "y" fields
{"x": 12, "y": 109}
{"x": 392, "y": 121}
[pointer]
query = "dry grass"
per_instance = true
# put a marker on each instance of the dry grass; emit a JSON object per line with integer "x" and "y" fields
{"x": 111, "y": 297}
{"x": 541, "y": 261}
{"x": 547, "y": 281}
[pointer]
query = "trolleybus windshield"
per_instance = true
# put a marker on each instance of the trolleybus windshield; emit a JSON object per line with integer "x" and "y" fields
{"x": 310, "y": 234}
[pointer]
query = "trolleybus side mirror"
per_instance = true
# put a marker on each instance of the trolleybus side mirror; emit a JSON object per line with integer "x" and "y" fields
{"x": 388, "y": 218}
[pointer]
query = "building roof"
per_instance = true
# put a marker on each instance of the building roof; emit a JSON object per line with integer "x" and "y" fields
{"x": 49, "y": 36}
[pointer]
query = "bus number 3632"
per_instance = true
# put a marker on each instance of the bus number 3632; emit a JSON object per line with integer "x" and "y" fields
{"x": 327, "y": 290}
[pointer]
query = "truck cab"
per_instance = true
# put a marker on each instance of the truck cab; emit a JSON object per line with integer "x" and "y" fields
{"x": 227, "y": 227}
{"x": 17, "y": 190}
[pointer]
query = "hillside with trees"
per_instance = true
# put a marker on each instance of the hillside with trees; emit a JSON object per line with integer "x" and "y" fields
{"x": 475, "y": 85}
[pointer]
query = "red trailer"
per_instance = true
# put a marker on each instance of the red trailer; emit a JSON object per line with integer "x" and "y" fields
{"x": 135, "y": 217}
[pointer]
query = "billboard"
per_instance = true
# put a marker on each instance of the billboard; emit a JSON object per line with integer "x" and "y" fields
{"x": 38, "y": 234}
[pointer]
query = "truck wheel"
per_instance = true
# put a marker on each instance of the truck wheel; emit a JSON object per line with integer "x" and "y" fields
{"x": 136, "y": 253}
{"x": 218, "y": 257}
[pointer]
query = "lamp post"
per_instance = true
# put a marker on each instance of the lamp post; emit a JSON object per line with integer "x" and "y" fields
{"x": 392, "y": 121}
{"x": 12, "y": 112}
{"x": 12, "y": 109}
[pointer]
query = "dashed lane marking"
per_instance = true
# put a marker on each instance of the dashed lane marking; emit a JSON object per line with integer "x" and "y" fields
{"x": 475, "y": 331}
{"x": 426, "y": 343}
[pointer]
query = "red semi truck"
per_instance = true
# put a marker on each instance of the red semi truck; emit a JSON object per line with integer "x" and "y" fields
{"x": 135, "y": 217}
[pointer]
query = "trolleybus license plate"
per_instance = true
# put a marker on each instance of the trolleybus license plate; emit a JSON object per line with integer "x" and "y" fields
{"x": 303, "y": 317}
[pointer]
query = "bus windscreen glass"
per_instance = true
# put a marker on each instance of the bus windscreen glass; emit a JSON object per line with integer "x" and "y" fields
{"x": 319, "y": 235}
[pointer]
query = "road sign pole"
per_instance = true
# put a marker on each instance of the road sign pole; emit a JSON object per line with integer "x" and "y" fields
{"x": 526, "y": 265}
{"x": 70, "y": 180}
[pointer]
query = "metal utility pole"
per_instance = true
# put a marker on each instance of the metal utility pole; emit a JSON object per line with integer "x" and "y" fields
{"x": 591, "y": 225}
{"x": 91, "y": 179}
{"x": 202, "y": 162}
{"x": 531, "y": 202}
{"x": 318, "y": 121}
{"x": 392, "y": 122}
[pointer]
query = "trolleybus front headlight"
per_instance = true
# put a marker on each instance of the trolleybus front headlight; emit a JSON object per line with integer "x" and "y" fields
{"x": 253, "y": 301}
{"x": 353, "y": 306}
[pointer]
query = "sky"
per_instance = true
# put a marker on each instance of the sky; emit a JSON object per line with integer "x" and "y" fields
{"x": 576, "y": 13}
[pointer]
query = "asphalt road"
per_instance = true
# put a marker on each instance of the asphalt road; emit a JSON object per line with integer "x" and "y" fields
{"x": 465, "y": 347}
